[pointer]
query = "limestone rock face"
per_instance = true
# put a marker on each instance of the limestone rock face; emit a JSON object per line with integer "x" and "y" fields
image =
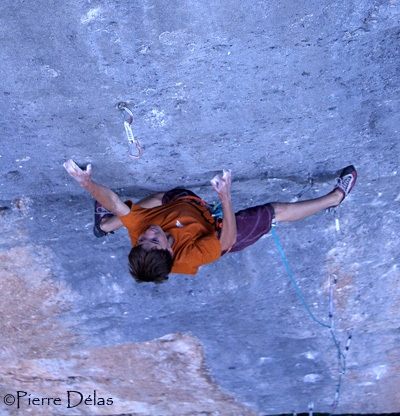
{"x": 166, "y": 376}
{"x": 43, "y": 370}
{"x": 285, "y": 94}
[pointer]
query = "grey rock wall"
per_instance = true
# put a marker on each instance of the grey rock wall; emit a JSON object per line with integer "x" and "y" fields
{"x": 279, "y": 93}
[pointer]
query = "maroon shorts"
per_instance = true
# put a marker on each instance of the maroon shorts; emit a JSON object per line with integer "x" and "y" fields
{"x": 251, "y": 223}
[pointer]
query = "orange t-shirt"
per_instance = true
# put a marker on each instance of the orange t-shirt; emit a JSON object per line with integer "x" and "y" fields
{"x": 191, "y": 225}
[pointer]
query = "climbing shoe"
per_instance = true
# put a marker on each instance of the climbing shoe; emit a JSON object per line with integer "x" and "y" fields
{"x": 99, "y": 213}
{"x": 346, "y": 181}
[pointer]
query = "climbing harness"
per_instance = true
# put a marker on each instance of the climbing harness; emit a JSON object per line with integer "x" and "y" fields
{"x": 341, "y": 356}
{"x": 129, "y": 134}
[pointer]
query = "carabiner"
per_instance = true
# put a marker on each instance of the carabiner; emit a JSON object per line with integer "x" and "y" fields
{"x": 129, "y": 134}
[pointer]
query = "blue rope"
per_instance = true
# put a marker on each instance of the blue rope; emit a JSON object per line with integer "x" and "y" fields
{"x": 293, "y": 281}
{"x": 340, "y": 354}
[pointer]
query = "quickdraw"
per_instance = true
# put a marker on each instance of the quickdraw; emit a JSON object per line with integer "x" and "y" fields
{"x": 129, "y": 134}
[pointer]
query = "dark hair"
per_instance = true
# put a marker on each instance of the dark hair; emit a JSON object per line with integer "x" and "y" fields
{"x": 152, "y": 265}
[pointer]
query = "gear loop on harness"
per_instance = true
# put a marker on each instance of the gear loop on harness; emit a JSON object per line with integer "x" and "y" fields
{"x": 128, "y": 130}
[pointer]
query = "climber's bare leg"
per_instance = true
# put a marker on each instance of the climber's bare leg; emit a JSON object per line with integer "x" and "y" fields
{"x": 298, "y": 210}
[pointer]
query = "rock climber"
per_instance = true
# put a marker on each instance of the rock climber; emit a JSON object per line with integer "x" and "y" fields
{"x": 176, "y": 232}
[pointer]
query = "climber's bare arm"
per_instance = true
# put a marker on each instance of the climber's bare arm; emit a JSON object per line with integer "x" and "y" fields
{"x": 108, "y": 198}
